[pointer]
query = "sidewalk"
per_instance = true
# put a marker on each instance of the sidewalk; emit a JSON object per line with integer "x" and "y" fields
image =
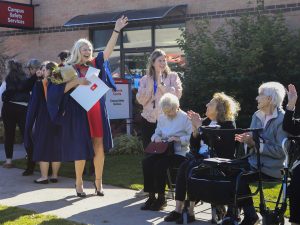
{"x": 119, "y": 206}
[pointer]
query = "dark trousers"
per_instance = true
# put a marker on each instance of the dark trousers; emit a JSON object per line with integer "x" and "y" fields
{"x": 147, "y": 130}
{"x": 155, "y": 171}
{"x": 12, "y": 115}
{"x": 181, "y": 179}
{"x": 294, "y": 196}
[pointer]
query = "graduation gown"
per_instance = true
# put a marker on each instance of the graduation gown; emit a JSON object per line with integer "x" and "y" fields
{"x": 40, "y": 132}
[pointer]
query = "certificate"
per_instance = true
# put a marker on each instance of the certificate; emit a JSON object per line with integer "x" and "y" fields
{"x": 88, "y": 95}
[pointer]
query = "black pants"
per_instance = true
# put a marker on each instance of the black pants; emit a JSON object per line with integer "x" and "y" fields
{"x": 155, "y": 171}
{"x": 181, "y": 179}
{"x": 148, "y": 130}
{"x": 294, "y": 196}
{"x": 12, "y": 115}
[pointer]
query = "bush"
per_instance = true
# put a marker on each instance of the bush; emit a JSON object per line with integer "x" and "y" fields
{"x": 127, "y": 145}
{"x": 236, "y": 59}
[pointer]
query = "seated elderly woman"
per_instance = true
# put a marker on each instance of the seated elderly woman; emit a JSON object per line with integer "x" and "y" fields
{"x": 269, "y": 117}
{"x": 173, "y": 125}
{"x": 292, "y": 126}
{"x": 221, "y": 110}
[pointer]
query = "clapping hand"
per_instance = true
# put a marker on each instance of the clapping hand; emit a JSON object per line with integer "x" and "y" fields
{"x": 195, "y": 119}
{"x": 292, "y": 97}
{"x": 245, "y": 138}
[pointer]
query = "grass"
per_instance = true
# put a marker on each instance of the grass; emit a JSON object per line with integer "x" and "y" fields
{"x": 119, "y": 170}
{"x": 18, "y": 216}
{"x": 126, "y": 171}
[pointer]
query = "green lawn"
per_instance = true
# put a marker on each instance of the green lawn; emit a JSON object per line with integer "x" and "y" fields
{"x": 18, "y": 216}
{"x": 126, "y": 171}
{"x": 119, "y": 170}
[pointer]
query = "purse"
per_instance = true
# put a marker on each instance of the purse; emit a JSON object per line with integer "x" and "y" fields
{"x": 160, "y": 148}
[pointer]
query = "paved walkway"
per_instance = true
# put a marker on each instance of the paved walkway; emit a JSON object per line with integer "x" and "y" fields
{"x": 119, "y": 206}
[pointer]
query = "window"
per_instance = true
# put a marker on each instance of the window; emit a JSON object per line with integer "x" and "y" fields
{"x": 100, "y": 39}
{"x": 166, "y": 35}
{"x": 137, "y": 37}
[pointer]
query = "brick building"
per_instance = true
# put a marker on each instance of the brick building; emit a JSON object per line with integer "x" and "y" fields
{"x": 152, "y": 24}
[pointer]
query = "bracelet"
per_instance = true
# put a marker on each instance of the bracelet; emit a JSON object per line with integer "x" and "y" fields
{"x": 116, "y": 31}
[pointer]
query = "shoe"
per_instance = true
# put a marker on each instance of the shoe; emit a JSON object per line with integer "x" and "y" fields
{"x": 217, "y": 213}
{"x": 41, "y": 181}
{"x": 141, "y": 193}
{"x": 99, "y": 193}
{"x": 250, "y": 220}
{"x": 173, "y": 216}
{"x": 148, "y": 204}
{"x": 190, "y": 219}
{"x": 53, "y": 180}
{"x": 8, "y": 165}
{"x": 27, "y": 172}
{"x": 158, "y": 204}
{"x": 80, "y": 194}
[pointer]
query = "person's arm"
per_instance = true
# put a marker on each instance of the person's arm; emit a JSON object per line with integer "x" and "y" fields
{"x": 175, "y": 88}
{"x": 290, "y": 124}
{"x": 75, "y": 82}
{"x": 157, "y": 136}
{"x": 144, "y": 94}
{"x": 185, "y": 139}
{"x": 120, "y": 24}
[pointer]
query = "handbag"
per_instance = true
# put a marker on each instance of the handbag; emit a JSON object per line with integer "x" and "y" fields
{"x": 160, "y": 148}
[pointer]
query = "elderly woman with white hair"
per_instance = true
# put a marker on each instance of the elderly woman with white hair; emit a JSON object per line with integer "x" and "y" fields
{"x": 269, "y": 117}
{"x": 173, "y": 125}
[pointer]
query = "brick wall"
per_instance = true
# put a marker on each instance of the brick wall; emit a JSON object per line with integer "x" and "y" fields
{"x": 50, "y": 36}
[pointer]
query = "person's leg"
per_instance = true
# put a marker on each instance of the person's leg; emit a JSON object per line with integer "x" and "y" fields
{"x": 98, "y": 162}
{"x": 147, "y": 130}
{"x": 44, "y": 167}
{"x": 21, "y": 111}
{"x": 148, "y": 165}
{"x": 294, "y": 196}
{"x": 9, "y": 122}
{"x": 55, "y": 168}
{"x": 79, "y": 167}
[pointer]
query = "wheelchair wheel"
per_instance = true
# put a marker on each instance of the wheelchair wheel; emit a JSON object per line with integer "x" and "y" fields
{"x": 229, "y": 221}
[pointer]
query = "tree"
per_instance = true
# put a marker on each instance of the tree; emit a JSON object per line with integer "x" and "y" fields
{"x": 237, "y": 58}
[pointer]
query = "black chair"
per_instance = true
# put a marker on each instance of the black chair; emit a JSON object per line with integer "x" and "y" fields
{"x": 223, "y": 189}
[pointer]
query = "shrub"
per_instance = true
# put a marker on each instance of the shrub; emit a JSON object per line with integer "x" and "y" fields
{"x": 236, "y": 59}
{"x": 127, "y": 145}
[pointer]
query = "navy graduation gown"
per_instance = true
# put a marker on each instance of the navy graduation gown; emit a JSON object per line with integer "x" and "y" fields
{"x": 40, "y": 131}
{"x": 64, "y": 110}
{"x": 106, "y": 77}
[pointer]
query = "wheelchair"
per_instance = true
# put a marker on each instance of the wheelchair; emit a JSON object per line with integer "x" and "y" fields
{"x": 211, "y": 181}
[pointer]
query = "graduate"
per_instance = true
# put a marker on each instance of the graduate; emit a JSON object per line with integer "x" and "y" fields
{"x": 40, "y": 130}
{"x": 100, "y": 132}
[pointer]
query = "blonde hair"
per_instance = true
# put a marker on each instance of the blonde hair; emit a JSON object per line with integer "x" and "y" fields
{"x": 275, "y": 90}
{"x": 169, "y": 100}
{"x": 76, "y": 57}
{"x": 227, "y": 107}
{"x": 150, "y": 68}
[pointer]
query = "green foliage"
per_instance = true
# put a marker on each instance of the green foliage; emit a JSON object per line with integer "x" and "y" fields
{"x": 127, "y": 144}
{"x": 236, "y": 59}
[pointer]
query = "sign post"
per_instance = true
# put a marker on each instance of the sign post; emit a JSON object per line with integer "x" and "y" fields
{"x": 16, "y": 15}
{"x": 119, "y": 102}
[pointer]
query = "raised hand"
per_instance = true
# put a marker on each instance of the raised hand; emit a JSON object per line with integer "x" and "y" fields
{"x": 195, "y": 118}
{"x": 121, "y": 23}
{"x": 292, "y": 97}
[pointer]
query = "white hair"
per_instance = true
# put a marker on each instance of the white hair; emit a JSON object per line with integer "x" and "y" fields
{"x": 169, "y": 100}
{"x": 275, "y": 90}
{"x": 75, "y": 57}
